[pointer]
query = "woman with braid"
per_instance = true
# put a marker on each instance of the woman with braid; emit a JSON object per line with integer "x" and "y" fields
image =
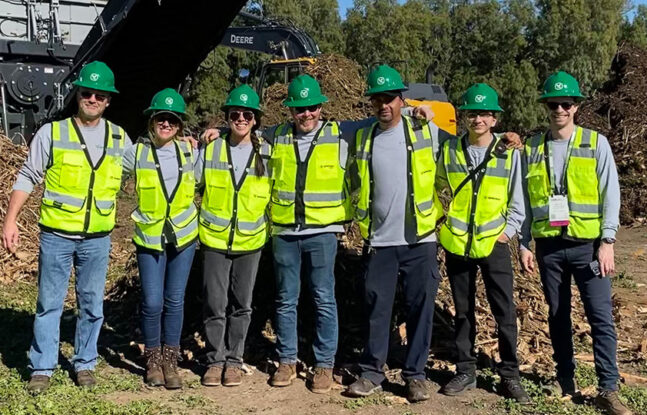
{"x": 233, "y": 229}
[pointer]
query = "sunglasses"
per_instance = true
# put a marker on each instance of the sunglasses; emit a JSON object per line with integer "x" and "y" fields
{"x": 311, "y": 108}
{"x": 171, "y": 119}
{"x": 554, "y": 105}
{"x": 98, "y": 97}
{"x": 235, "y": 115}
{"x": 382, "y": 99}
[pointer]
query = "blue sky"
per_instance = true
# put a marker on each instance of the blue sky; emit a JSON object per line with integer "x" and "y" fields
{"x": 345, "y": 4}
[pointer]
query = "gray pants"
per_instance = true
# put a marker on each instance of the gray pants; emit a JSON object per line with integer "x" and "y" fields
{"x": 228, "y": 282}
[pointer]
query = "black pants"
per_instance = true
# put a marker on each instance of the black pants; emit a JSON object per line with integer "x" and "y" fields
{"x": 558, "y": 260}
{"x": 228, "y": 282}
{"x": 497, "y": 274}
{"x": 417, "y": 266}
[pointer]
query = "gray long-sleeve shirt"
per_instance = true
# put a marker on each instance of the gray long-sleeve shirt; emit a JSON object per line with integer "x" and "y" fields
{"x": 516, "y": 208}
{"x": 608, "y": 186}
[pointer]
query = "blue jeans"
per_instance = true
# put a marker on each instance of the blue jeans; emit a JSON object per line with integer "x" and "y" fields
{"x": 318, "y": 254}
{"x": 558, "y": 260}
{"x": 56, "y": 257}
{"x": 163, "y": 276}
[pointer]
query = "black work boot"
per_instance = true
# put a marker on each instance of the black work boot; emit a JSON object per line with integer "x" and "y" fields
{"x": 362, "y": 387}
{"x": 459, "y": 384}
{"x": 568, "y": 387}
{"x": 154, "y": 375}
{"x": 171, "y": 354}
{"x": 609, "y": 402}
{"x": 512, "y": 388}
{"x": 38, "y": 384}
{"x": 417, "y": 390}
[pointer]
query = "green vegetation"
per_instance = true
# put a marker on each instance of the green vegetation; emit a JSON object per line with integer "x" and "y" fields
{"x": 624, "y": 280}
{"x": 358, "y": 403}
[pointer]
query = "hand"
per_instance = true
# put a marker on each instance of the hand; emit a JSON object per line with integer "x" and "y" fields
{"x": 423, "y": 112}
{"x": 512, "y": 140}
{"x": 605, "y": 258}
{"x": 209, "y": 135}
{"x": 527, "y": 259}
{"x": 10, "y": 236}
{"x": 503, "y": 238}
{"x": 194, "y": 143}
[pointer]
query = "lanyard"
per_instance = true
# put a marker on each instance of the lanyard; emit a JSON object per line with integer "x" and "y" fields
{"x": 548, "y": 152}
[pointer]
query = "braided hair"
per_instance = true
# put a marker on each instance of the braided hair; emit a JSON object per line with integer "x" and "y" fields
{"x": 256, "y": 143}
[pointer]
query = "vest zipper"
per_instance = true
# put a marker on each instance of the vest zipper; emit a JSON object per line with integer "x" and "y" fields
{"x": 302, "y": 175}
{"x": 237, "y": 187}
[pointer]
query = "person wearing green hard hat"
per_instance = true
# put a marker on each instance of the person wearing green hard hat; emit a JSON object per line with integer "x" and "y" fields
{"x": 80, "y": 161}
{"x": 166, "y": 231}
{"x": 486, "y": 211}
{"x": 233, "y": 230}
{"x": 573, "y": 207}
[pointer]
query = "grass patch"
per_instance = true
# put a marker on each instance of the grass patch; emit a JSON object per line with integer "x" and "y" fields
{"x": 624, "y": 280}
{"x": 373, "y": 400}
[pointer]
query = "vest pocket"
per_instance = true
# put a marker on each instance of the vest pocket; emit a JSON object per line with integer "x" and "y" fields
{"x": 104, "y": 207}
{"x": 72, "y": 164}
{"x": 218, "y": 197}
{"x": 60, "y": 204}
{"x": 537, "y": 185}
{"x": 251, "y": 228}
{"x": 148, "y": 199}
{"x": 213, "y": 222}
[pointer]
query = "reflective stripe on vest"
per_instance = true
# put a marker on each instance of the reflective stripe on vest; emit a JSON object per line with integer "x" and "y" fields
{"x": 421, "y": 148}
{"x": 312, "y": 193}
{"x": 585, "y": 219}
{"x": 79, "y": 198}
{"x": 157, "y": 209}
{"x": 486, "y": 209}
{"x": 233, "y": 217}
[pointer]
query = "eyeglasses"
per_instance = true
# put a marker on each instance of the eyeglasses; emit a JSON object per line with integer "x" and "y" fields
{"x": 483, "y": 114}
{"x": 171, "y": 119}
{"x": 98, "y": 97}
{"x": 311, "y": 108}
{"x": 554, "y": 105}
{"x": 382, "y": 99}
{"x": 235, "y": 115}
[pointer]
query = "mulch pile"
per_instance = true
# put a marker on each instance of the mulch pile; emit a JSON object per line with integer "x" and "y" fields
{"x": 618, "y": 112}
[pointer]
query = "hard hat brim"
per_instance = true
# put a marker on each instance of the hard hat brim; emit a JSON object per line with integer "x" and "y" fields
{"x": 321, "y": 99}
{"x": 475, "y": 107}
{"x": 94, "y": 86}
{"x": 577, "y": 98}
{"x": 225, "y": 107}
{"x": 385, "y": 90}
{"x": 152, "y": 112}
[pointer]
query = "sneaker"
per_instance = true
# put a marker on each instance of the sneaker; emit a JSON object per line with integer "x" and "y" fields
{"x": 512, "y": 388}
{"x": 233, "y": 376}
{"x": 85, "y": 378}
{"x": 321, "y": 380}
{"x": 609, "y": 402}
{"x": 38, "y": 384}
{"x": 213, "y": 376}
{"x": 363, "y": 387}
{"x": 284, "y": 375}
{"x": 459, "y": 384}
{"x": 417, "y": 390}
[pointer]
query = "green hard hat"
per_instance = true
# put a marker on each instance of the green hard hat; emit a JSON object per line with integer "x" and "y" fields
{"x": 480, "y": 97}
{"x": 167, "y": 100}
{"x": 561, "y": 84}
{"x": 243, "y": 96}
{"x": 304, "y": 91}
{"x": 96, "y": 75}
{"x": 384, "y": 79}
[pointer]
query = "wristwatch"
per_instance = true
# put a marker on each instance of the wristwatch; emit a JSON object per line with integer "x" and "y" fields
{"x": 609, "y": 241}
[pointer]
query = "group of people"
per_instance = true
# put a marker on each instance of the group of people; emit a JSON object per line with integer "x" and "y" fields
{"x": 298, "y": 184}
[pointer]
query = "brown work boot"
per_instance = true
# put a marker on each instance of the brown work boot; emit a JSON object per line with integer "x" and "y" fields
{"x": 85, "y": 379}
{"x": 321, "y": 380}
{"x": 609, "y": 402}
{"x": 213, "y": 376}
{"x": 171, "y": 354}
{"x": 284, "y": 375}
{"x": 38, "y": 384}
{"x": 233, "y": 376}
{"x": 154, "y": 375}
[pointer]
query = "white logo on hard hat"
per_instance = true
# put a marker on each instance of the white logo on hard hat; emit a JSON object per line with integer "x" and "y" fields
{"x": 479, "y": 98}
{"x": 243, "y": 97}
{"x": 304, "y": 92}
{"x": 94, "y": 77}
{"x": 559, "y": 86}
{"x": 381, "y": 80}
{"x": 169, "y": 101}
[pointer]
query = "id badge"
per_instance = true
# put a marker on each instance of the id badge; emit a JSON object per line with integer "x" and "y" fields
{"x": 558, "y": 212}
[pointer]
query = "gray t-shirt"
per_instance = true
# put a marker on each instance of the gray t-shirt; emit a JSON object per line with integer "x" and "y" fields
{"x": 608, "y": 186}
{"x": 35, "y": 166}
{"x": 239, "y": 157}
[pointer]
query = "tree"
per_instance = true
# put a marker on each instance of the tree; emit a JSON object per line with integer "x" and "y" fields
{"x": 635, "y": 32}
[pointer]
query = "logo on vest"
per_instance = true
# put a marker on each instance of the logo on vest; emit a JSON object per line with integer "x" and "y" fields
{"x": 559, "y": 86}
{"x": 381, "y": 80}
{"x": 243, "y": 97}
{"x": 304, "y": 92}
{"x": 94, "y": 77}
{"x": 169, "y": 101}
